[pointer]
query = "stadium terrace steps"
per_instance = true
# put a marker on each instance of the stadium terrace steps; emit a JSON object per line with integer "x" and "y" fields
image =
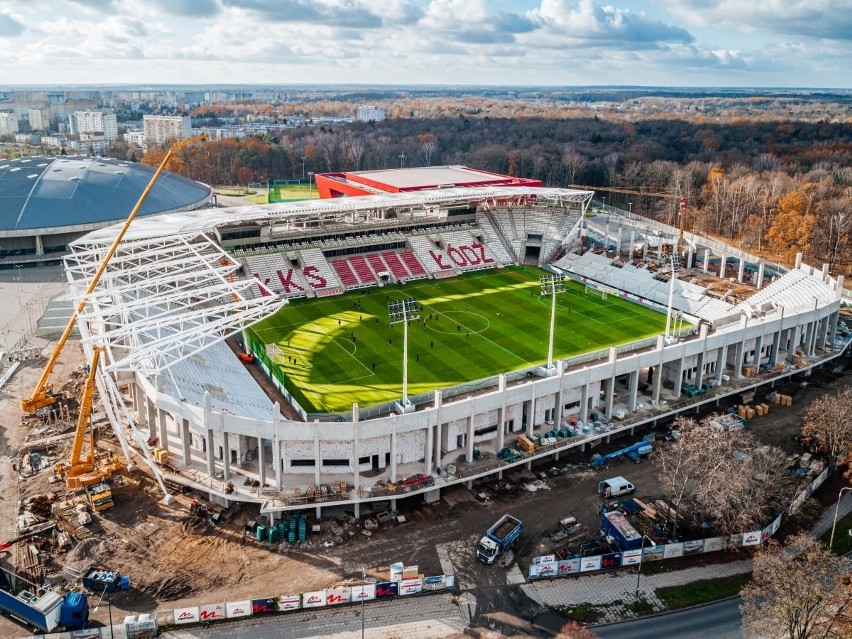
{"x": 362, "y": 269}
{"x": 493, "y": 237}
{"x": 435, "y": 259}
{"x": 318, "y": 273}
{"x": 276, "y": 274}
{"x": 413, "y": 265}
{"x": 468, "y": 253}
{"x": 377, "y": 263}
{"x": 396, "y": 266}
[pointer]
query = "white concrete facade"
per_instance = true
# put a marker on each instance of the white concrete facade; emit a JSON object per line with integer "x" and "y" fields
{"x": 159, "y": 129}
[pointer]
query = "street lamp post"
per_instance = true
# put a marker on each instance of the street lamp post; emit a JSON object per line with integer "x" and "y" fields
{"x": 836, "y": 509}
{"x": 551, "y": 285}
{"x": 401, "y": 160}
{"x": 630, "y": 208}
{"x": 403, "y": 311}
{"x": 641, "y": 558}
{"x": 311, "y": 185}
{"x": 18, "y": 266}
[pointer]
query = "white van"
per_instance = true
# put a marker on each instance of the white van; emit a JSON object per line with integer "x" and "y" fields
{"x": 615, "y": 486}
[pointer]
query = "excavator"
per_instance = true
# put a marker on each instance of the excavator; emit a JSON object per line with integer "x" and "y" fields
{"x": 43, "y": 396}
{"x": 80, "y": 471}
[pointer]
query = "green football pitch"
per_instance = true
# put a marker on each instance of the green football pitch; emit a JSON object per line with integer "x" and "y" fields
{"x": 339, "y": 350}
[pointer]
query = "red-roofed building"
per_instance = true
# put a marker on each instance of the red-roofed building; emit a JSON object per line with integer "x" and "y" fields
{"x": 331, "y": 185}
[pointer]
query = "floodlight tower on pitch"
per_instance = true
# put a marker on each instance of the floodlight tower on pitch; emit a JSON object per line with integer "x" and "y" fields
{"x": 404, "y": 311}
{"x": 551, "y": 285}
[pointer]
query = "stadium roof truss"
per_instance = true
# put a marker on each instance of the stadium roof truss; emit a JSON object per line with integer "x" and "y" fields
{"x": 170, "y": 290}
{"x": 164, "y": 298}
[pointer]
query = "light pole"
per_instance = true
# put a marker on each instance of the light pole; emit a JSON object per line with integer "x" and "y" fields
{"x": 551, "y": 285}
{"x": 109, "y": 607}
{"x": 836, "y": 509}
{"x": 641, "y": 558}
{"x": 401, "y": 160}
{"x": 311, "y": 185}
{"x": 603, "y": 199}
{"x": 630, "y": 208}
{"x": 18, "y": 266}
{"x": 363, "y": 582}
{"x": 403, "y": 311}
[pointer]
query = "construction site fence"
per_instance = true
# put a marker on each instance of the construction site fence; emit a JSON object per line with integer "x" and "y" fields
{"x": 549, "y": 566}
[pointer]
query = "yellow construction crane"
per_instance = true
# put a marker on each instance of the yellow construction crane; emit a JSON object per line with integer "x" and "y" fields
{"x": 637, "y": 191}
{"x": 42, "y": 395}
{"x": 82, "y": 471}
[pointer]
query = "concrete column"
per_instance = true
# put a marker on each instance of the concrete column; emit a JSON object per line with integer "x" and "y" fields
{"x": 773, "y": 351}
{"x": 832, "y": 327}
{"x": 722, "y": 266}
{"x": 618, "y": 243}
{"x": 151, "y": 409}
{"x": 810, "y": 332}
{"x": 645, "y": 248}
{"x": 211, "y": 463}
{"x": 226, "y": 457}
{"x": 468, "y": 440}
{"x": 739, "y": 347}
{"x": 438, "y": 400}
{"x": 317, "y": 458}
{"x": 706, "y": 265}
{"x": 678, "y": 382}
{"x": 761, "y": 267}
{"x": 658, "y": 373}
{"x": 798, "y": 261}
{"x": 584, "y": 403}
{"x": 632, "y": 243}
{"x": 276, "y": 446}
{"x": 758, "y": 345}
{"x": 610, "y": 395}
{"x": 699, "y": 364}
{"x": 531, "y": 416}
{"x": 825, "y": 274}
{"x": 501, "y": 413}
{"x": 186, "y": 450}
{"x": 356, "y": 455}
{"x": 741, "y": 271}
{"x": 721, "y": 356}
{"x": 690, "y": 254}
{"x": 795, "y": 337}
{"x": 393, "y": 450}
{"x": 261, "y": 464}
{"x": 634, "y": 390}
{"x": 39, "y": 245}
{"x": 163, "y": 427}
{"x": 140, "y": 405}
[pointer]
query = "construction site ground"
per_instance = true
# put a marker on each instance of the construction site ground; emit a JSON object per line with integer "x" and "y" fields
{"x": 174, "y": 559}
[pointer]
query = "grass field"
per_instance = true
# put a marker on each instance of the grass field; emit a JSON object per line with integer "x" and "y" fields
{"x": 284, "y": 193}
{"x": 339, "y": 350}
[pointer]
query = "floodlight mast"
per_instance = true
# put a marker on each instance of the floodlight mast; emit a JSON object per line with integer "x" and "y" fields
{"x": 404, "y": 311}
{"x": 673, "y": 261}
{"x": 551, "y": 285}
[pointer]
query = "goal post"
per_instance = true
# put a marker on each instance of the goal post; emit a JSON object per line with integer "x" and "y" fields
{"x": 274, "y": 352}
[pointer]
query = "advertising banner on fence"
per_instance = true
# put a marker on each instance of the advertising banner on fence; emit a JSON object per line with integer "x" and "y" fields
{"x": 234, "y": 609}
{"x": 653, "y": 553}
{"x": 336, "y": 596}
{"x": 568, "y": 567}
{"x": 439, "y": 582}
{"x": 631, "y": 557}
{"x": 544, "y": 559}
{"x": 587, "y": 564}
{"x": 263, "y": 606}
{"x": 751, "y": 538}
{"x": 693, "y": 547}
{"x": 289, "y": 602}
{"x": 387, "y": 589}
{"x": 673, "y": 550}
{"x": 187, "y": 615}
{"x": 611, "y": 560}
{"x": 771, "y": 529}
{"x": 212, "y": 612}
{"x": 314, "y": 599}
{"x": 714, "y": 544}
{"x": 547, "y": 569}
{"x": 366, "y": 592}
{"x": 410, "y": 586}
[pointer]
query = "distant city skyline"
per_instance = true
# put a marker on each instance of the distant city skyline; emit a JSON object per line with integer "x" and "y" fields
{"x": 685, "y": 43}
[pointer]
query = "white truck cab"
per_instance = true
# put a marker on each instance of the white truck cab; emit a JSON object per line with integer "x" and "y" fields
{"x": 615, "y": 486}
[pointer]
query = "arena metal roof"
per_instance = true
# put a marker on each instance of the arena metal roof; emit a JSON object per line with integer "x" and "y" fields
{"x": 49, "y": 192}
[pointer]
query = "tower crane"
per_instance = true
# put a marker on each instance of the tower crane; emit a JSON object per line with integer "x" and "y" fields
{"x": 669, "y": 195}
{"x": 42, "y": 394}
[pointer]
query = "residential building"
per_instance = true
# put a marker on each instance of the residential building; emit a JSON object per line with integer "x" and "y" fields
{"x": 162, "y": 128}
{"x": 369, "y": 113}
{"x": 135, "y": 137}
{"x": 39, "y": 119}
{"x": 8, "y": 123}
{"x": 104, "y": 122}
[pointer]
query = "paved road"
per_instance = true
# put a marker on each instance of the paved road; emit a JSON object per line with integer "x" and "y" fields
{"x": 716, "y": 621}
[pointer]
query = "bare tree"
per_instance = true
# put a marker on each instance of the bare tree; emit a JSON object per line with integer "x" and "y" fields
{"x": 573, "y": 162}
{"x": 722, "y": 476}
{"x": 354, "y": 153}
{"x": 827, "y": 421}
{"x": 800, "y": 591}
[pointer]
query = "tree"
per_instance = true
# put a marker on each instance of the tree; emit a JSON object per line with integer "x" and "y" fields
{"x": 800, "y": 591}
{"x": 793, "y": 228}
{"x": 575, "y": 630}
{"x": 722, "y": 476}
{"x": 827, "y": 421}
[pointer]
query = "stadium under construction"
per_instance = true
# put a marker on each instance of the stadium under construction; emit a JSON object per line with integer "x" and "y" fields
{"x": 178, "y": 301}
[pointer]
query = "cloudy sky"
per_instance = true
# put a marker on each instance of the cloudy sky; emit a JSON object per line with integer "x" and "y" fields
{"x": 793, "y": 43}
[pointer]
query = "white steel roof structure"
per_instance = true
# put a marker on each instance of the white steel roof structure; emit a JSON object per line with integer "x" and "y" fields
{"x": 169, "y": 292}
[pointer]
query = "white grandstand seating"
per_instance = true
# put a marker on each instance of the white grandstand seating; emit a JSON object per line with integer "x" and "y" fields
{"x": 276, "y": 274}
{"x": 318, "y": 273}
{"x": 466, "y": 252}
{"x": 362, "y": 269}
{"x": 793, "y": 290}
{"x": 435, "y": 259}
{"x": 493, "y": 238}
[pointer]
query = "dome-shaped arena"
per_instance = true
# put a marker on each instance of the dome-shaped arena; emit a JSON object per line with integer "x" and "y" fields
{"x": 48, "y": 202}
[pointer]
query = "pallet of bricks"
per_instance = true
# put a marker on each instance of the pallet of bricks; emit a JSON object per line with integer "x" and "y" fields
{"x": 783, "y": 400}
{"x": 761, "y": 409}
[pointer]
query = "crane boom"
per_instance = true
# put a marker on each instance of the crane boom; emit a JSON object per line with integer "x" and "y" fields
{"x": 85, "y": 414}
{"x": 41, "y": 395}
